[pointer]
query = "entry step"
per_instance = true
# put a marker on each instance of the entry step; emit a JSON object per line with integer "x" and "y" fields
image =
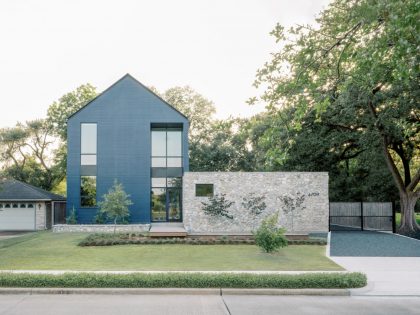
{"x": 167, "y": 230}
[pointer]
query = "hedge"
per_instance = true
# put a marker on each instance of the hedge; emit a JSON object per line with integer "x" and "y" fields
{"x": 184, "y": 280}
{"x": 106, "y": 239}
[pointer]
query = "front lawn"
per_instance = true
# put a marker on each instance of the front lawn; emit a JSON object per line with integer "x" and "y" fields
{"x": 398, "y": 219}
{"x": 59, "y": 251}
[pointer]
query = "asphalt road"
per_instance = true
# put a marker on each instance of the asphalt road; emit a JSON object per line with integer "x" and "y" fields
{"x": 204, "y": 304}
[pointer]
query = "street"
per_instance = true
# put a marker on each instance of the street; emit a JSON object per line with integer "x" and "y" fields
{"x": 205, "y": 304}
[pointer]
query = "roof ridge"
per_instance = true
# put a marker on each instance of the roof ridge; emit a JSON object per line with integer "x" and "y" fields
{"x": 139, "y": 83}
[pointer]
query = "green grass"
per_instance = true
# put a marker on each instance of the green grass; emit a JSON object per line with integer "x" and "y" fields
{"x": 59, "y": 251}
{"x": 398, "y": 218}
{"x": 184, "y": 280}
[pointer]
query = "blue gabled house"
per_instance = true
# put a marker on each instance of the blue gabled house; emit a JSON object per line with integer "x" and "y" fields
{"x": 129, "y": 134}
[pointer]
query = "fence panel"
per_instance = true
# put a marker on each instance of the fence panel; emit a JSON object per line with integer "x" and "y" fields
{"x": 345, "y": 216}
{"x": 358, "y": 216}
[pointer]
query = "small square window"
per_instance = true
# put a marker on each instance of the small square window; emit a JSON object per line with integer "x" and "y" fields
{"x": 30, "y": 205}
{"x": 204, "y": 190}
{"x": 7, "y": 205}
{"x": 23, "y": 205}
{"x": 15, "y": 205}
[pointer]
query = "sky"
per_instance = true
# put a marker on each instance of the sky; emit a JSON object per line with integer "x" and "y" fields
{"x": 50, "y": 47}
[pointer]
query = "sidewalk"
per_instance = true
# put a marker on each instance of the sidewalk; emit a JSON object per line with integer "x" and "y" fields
{"x": 396, "y": 276}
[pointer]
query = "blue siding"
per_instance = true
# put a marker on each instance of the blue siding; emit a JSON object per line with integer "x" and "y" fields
{"x": 124, "y": 114}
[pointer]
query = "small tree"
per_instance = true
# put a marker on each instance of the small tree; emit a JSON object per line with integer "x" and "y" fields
{"x": 218, "y": 206}
{"x": 268, "y": 236}
{"x": 115, "y": 204}
{"x": 291, "y": 203}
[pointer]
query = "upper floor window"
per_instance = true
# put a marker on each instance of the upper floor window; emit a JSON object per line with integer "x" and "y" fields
{"x": 88, "y": 138}
{"x": 88, "y": 161}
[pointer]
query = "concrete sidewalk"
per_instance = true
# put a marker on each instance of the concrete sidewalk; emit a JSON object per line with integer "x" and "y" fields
{"x": 172, "y": 291}
{"x": 398, "y": 276}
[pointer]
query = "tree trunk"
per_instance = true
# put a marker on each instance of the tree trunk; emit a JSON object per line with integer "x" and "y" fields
{"x": 115, "y": 224}
{"x": 408, "y": 217}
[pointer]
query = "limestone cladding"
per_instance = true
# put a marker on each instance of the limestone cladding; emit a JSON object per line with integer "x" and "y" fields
{"x": 40, "y": 215}
{"x": 103, "y": 228}
{"x": 276, "y": 187}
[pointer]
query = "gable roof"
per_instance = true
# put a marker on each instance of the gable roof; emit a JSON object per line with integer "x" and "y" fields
{"x": 139, "y": 83}
{"x": 12, "y": 189}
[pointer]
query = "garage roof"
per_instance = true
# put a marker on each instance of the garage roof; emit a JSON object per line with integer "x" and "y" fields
{"x": 12, "y": 189}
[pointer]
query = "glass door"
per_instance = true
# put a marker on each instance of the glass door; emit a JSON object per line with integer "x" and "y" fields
{"x": 166, "y": 205}
{"x": 174, "y": 204}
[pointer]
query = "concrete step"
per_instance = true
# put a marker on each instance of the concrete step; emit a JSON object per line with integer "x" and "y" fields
{"x": 167, "y": 229}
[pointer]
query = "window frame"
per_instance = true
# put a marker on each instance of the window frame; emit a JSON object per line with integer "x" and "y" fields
{"x": 202, "y": 185}
{"x": 88, "y": 170}
{"x": 164, "y": 170}
{"x": 86, "y": 196}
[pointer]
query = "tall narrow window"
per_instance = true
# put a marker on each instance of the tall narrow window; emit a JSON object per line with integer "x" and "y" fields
{"x": 166, "y": 173}
{"x": 88, "y": 157}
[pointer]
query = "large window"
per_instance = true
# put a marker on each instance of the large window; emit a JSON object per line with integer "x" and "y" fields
{"x": 88, "y": 191}
{"x": 88, "y": 161}
{"x": 166, "y": 173}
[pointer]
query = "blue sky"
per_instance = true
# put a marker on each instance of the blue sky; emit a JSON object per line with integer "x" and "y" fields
{"x": 49, "y": 47}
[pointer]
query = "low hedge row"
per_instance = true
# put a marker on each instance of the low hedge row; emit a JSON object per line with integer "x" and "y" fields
{"x": 184, "y": 280}
{"x": 123, "y": 239}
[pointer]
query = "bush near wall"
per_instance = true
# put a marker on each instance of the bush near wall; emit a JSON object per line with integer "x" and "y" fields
{"x": 107, "y": 239}
{"x": 184, "y": 280}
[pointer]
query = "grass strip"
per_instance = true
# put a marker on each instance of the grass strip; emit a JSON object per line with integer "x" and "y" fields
{"x": 184, "y": 280}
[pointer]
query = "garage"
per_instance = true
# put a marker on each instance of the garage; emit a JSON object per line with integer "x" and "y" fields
{"x": 17, "y": 216}
{"x": 24, "y": 207}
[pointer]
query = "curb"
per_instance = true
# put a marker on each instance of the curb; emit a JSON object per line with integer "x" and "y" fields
{"x": 111, "y": 291}
{"x": 319, "y": 292}
{"x": 173, "y": 291}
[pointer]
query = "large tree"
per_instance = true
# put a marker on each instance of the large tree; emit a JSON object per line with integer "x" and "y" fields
{"x": 361, "y": 56}
{"x": 196, "y": 107}
{"x": 68, "y": 104}
{"x": 214, "y": 145}
{"x": 27, "y": 152}
{"x": 35, "y": 152}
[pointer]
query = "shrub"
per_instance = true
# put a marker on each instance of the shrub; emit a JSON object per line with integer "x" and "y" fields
{"x": 184, "y": 280}
{"x": 72, "y": 218}
{"x": 268, "y": 236}
{"x": 100, "y": 217}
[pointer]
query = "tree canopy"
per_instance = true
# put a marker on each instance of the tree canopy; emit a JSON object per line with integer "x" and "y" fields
{"x": 357, "y": 74}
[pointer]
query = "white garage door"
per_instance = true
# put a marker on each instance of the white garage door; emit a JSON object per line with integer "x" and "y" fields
{"x": 15, "y": 219}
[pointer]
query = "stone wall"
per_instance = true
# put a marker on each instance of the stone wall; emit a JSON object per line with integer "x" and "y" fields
{"x": 40, "y": 215}
{"x": 276, "y": 187}
{"x": 101, "y": 228}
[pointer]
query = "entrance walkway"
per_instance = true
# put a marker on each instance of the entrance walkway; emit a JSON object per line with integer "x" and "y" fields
{"x": 372, "y": 244}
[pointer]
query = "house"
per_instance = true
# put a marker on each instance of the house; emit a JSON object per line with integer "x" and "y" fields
{"x": 24, "y": 207}
{"x": 129, "y": 134}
